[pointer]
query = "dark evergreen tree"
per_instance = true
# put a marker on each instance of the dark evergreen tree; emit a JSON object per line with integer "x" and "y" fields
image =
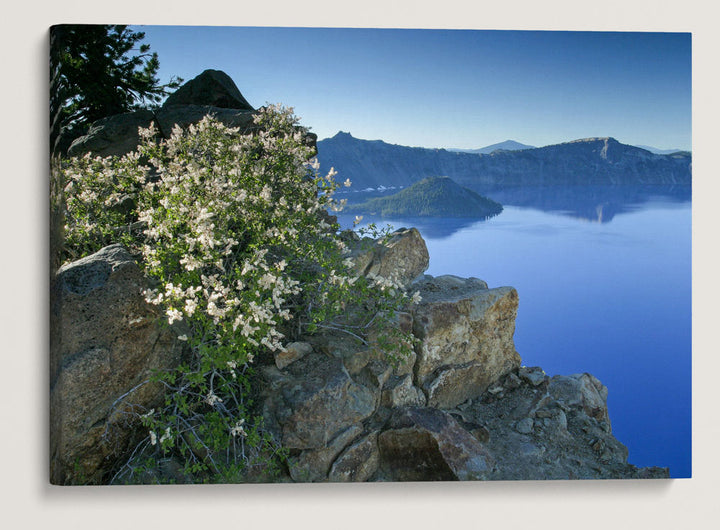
{"x": 97, "y": 71}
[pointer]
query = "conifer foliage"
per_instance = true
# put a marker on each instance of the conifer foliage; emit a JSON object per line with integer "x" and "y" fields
{"x": 97, "y": 71}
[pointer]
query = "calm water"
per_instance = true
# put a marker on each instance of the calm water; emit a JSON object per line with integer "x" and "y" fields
{"x": 610, "y": 298}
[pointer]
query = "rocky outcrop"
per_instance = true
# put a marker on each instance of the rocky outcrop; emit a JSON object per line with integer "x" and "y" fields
{"x": 459, "y": 407}
{"x": 212, "y": 92}
{"x": 402, "y": 258}
{"x": 212, "y": 88}
{"x": 543, "y": 428}
{"x": 113, "y": 136}
{"x": 466, "y": 338}
{"x": 106, "y": 342}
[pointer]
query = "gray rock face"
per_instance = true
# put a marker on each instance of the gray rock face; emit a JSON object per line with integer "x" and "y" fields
{"x": 555, "y": 430}
{"x": 314, "y": 401}
{"x": 466, "y": 333}
{"x": 313, "y": 465}
{"x": 581, "y": 391}
{"x": 107, "y": 341}
{"x": 213, "y": 88}
{"x": 293, "y": 352}
{"x": 428, "y": 444}
{"x": 358, "y": 463}
{"x": 114, "y": 135}
{"x": 184, "y": 115}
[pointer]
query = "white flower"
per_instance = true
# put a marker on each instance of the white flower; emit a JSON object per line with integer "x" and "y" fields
{"x": 347, "y": 183}
{"x": 357, "y": 220}
{"x": 183, "y": 337}
{"x": 211, "y": 399}
{"x": 153, "y": 438}
{"x": 190, "y": 306}
{"x": 173, "y": 315}
{"x": 416, "y": 298}
{"x": 238, "y": 429}
{"x": 165, "y": 436}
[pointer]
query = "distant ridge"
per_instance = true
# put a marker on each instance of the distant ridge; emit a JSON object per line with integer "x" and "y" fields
{"x": 657, "y": 151}
{"x": 590, "y": 161}
{"x": 507, "y": 145}
{"x": 431, "y": 197}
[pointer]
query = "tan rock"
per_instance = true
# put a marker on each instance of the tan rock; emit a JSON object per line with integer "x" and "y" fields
{"x": 402, "y": 258}
{"x": 466, "y": 333}
{"x": 293, "y": 352}
{"x": 107, "y": 341}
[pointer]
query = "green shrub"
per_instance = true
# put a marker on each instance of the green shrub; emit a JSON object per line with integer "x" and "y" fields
{"x": 232, "y": 229}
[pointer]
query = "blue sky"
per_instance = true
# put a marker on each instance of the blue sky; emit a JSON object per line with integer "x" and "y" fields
{"x": 452, "y": 88}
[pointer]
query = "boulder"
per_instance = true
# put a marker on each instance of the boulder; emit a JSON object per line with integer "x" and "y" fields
{"x": 185, "y": 115}
{"x": 358, "y": 463}
{"x": 401, "y": 258}
{"x": 212, "y": 88}
{"x": 106, "y": 342}
{"x": 313, "y": 465}
{"x": 113, "y": 136}
{"x": 212, "y": 92}
{"x": 400, "y": 392}
{"x": 313, "y": 400}
{"x": 466, "y": 332}
{"x": 582, "y": 391}
{"x": 429, "y": 444}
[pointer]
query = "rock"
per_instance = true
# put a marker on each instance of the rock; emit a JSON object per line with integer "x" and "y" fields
{"x": 107, "y": 341}
{"x": 184, "y": 115}
{"x": 400, "y": 392}
{"x": 212, "y": 92}
{"x": 376, "y": 373}
{"x": 582, "y": 391}
{"x": 313, "y": 465}
{"x": 213, "y": 88}
{"x": 402, "y": 258}
{"x": 113, "y": 136}
{"x": 466, "y": 333}
{"x": 358, "y": 463}
{"x": 315, "y": 400}
{"x": 524, "y": 426}
{"x": 533, "y": 376}
{"x": 545, "y": 433}
{"x": 293, "y": 352}
{"x": 428, "y": 444}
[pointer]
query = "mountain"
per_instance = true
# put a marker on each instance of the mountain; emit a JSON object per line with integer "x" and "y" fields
{"x": 592, "y": 161}
{"x": 657, "y": 151}
{"x": 431, "y": 197}
{"x": 507, "y": 145}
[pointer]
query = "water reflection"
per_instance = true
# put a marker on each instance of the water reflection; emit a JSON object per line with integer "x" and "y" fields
{"x": 597, "y": 204}
{"x": 591, "y": 203}
{"x": 432, "y": 227}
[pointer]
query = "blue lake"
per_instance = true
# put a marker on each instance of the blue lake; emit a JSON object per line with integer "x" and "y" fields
{"x": 611, "y": 298}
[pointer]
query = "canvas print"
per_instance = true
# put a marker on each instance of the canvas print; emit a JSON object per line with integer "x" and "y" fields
{"x": 368, "y": 255}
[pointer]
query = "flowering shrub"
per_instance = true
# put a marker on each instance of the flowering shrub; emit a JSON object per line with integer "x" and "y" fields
{"x": 234, "y": 230}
